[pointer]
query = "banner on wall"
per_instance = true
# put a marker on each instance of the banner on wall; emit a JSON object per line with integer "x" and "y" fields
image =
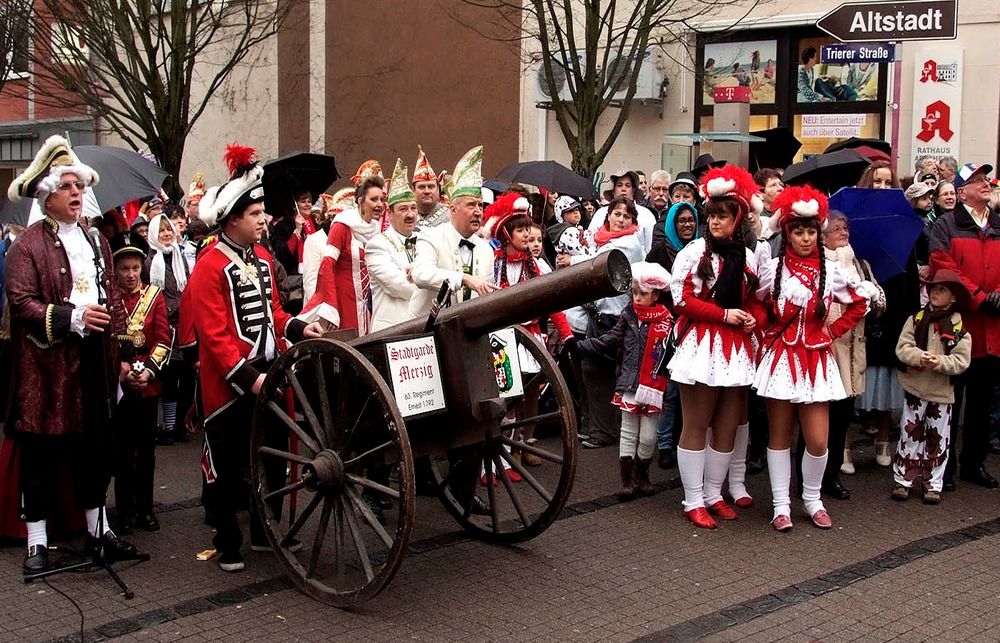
{"x": 937, "y": 103}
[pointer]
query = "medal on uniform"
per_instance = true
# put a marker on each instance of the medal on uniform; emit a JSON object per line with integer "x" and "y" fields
{"x": 136, "y": 335}
{"x": 81, "y": 285}
{"x": 248, "y": 275}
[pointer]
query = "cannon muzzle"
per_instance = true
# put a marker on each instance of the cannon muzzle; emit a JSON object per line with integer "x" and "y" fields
{"x": 606, "y": 275}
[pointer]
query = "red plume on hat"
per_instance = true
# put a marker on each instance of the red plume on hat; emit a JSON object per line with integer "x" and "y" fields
{"x": 499, "y": 212}
{"x": 801, "y": 202}
{"x": 731, "y": 182}
{"x": 239, "y": 158}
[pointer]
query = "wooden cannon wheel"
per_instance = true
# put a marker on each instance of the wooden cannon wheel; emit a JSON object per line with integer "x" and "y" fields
{"x": 516, "y": 510}
{"x": 332, "y": 472}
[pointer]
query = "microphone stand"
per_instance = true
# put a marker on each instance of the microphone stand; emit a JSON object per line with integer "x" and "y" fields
{"x": 96, "y": 558}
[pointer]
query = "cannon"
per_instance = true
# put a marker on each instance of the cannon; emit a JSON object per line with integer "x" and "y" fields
{"x": 339, "y": 424}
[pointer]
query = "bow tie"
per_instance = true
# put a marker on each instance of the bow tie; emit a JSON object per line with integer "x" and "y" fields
{"x": 465, "y": 243}
{"x": 410, "y": 242}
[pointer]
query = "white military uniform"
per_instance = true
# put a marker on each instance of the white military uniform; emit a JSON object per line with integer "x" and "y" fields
{"x": 388, "y": 256}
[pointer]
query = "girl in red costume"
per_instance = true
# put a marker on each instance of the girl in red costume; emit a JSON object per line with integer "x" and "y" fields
{"x": 798, "y": 374}
{"x": 714, "y": 282}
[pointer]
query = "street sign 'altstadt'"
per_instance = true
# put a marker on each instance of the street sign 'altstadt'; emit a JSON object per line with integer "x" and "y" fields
{"x": 888, "y": 21}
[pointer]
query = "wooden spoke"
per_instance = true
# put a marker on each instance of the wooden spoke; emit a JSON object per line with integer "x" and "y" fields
{"x": 505, "y": 479}
{"x": 295, "y": 486}
{"x": 284, "y": 455}
{"x": 369, "y": 516}
{"x": 467, "y": 509}
{"x": 374, "y": 486}
{"x": 530, "y": 479}
{"x": 536, "y": 419}
{"x": 307, "y": 409}
{"x": 534, "y": 381}
{"x": 491, "y": 492}
{"x": 301, "y": 520}
{"x": 338, "y": 534}
{"x": 293, "y": 426}
{"x": 367, "y": 454}
{"x": 524, "y": 446}
{"x": 359, "y": 543}
{"x": 340, "y": 368}
{"x": 317, "y": 548}
{"x": 324, "y": 399}
{"x": 349, "y": 438}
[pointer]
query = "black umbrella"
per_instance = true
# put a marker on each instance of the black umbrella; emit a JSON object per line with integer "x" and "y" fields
{"x": 125, "y": 176}
{"x": 829, "y": 171}
{"x": 296, "y": 172}
{"x": 855, "y": 142}
{"x": 777, "y": 151}
{"x": 551, "y": 176}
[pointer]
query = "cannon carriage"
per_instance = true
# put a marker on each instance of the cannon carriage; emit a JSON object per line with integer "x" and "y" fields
{"x": 340, "y": 424}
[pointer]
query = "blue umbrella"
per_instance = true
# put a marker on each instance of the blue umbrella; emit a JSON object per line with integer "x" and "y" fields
{"x": 884, "y": 228}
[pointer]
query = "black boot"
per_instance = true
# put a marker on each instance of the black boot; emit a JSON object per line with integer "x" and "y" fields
{"x": 626, "y": 467}
{"x": 832, "y": 487}
{"x": 643, "y": 485}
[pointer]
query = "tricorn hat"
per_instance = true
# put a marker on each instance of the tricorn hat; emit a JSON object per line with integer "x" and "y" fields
{"x": 53, "y": 160}
{"x": 244, "y": 187}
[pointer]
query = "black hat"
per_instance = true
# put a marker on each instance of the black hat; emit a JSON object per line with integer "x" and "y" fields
{"x": 684, "y": 178}
{"x": 704, "y": 163}
{"x": 125, "y": 243}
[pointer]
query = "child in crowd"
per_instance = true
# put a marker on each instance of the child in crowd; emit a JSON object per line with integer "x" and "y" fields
{"x": 536, "y": 248}
{"x": 638, "y": 339}
{"x": 934, "y": 348}
{"x": 567, "y": 235}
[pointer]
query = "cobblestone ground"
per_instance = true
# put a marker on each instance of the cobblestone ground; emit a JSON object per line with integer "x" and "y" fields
{"x": 604, "y": 571}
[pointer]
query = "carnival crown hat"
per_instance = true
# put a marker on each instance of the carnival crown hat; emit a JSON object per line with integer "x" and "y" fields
{"x": 650, "y": 276}
{"x": 53, "y": 160}
{"x": 467, "y": 179}
{"x": 371, "y": 167}
{"x": 244, "y": 187}
{"x": 800, "y": 202}
{"x": 731, "y": 182}
{"x": 328, "y": 206}
{"x": 422, "y": 170}
{"x": 197, "y": 188}
{"x": 563, "y": 205}
{"x": 399, "y": 188}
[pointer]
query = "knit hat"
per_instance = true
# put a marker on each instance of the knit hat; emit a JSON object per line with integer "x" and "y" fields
{"x": 563, "y": 205}
{"x": 243, "y": 189}
{"x": 467, "y": 179}
{"x": 650, "y": 276}
{"x": 42, "y": 178}
{"x": 370, "y": 167}
{"x": 800, "y": 202}
{"x": 399, "y": 188}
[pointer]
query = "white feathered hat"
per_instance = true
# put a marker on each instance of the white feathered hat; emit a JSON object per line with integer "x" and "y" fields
{"x": 245, "y": 186}
{"x": 53, "y": 160}
{"x": 650, "y": 276}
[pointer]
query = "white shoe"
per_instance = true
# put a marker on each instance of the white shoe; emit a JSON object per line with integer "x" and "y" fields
{"x": 883, "y": 457}
{"x": 848, "y": 466}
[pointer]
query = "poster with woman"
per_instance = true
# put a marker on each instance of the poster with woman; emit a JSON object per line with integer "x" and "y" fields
{"x": 750, "y": 64}
{"x": 818, "y": 82}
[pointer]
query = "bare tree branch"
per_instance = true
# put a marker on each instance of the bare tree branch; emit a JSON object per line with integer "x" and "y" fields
{"x": 14, "y": 21}
{"x": 147, "y": 68}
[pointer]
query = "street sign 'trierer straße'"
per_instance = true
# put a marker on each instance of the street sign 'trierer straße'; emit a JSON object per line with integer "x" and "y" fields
{"x": 892, "y": 21}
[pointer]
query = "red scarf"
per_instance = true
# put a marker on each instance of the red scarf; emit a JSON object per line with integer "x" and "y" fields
{"x": 652, "y": 385}
{"x": 605, "y": 235}
{"x": 806, "y": 269}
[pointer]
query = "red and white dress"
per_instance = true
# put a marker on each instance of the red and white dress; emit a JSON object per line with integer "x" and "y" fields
{"x": 797, "y": 363}
{"x": 343, "y": 288}
{"x": 709, "y": 351}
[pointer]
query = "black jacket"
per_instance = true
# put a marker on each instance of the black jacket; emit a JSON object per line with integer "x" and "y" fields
{"x": 628, "y": 332}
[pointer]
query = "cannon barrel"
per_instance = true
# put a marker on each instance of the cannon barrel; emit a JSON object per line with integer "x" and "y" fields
{"x": 606, "y": 275}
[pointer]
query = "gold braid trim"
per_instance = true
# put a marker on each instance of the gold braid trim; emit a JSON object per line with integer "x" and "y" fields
{"x": 48, "y": 324}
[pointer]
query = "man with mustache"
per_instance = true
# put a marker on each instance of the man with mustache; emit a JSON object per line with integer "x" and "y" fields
{"x": 65, "y": 315}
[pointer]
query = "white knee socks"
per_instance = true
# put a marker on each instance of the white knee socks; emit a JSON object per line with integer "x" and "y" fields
{"x": 738, "y": 464}
{"x": 37, "y": 534}
{"x": 691, "y": 465}
{"x": 812, "y": 479}
{"x": 779, "y": 470}
{"x": 97, "y": 518}
{"x": 716, "y": 467}
{"x": 647, "y": 436}
{"x": 629, "y": 436}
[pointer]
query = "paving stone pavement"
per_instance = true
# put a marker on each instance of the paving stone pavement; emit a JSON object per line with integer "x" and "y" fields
{"x": 604, "y": 571}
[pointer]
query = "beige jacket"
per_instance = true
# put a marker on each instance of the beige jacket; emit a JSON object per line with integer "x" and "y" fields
{"x": 932, "y": 385}
{"x": 849, "y": 348}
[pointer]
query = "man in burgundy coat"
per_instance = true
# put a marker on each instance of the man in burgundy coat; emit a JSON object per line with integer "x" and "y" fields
{"x": 64, "y": 316}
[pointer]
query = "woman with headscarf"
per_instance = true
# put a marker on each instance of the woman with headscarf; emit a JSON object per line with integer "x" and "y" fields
{"x": 680, "y": 227}
{"x": 168, "y": 270}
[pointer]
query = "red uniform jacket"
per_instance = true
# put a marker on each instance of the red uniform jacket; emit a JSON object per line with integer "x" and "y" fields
{"x": 155, "y": 350}
{"x": 236, "y": 334}
{"x": 47, "y": 372}
{"x": 958, "y": 244}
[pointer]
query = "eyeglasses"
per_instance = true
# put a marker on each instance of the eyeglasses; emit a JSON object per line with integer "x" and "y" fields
{"x": 659, "y": 188}
{"x": 838, "y": 230}
{"x": 66, "y": 186}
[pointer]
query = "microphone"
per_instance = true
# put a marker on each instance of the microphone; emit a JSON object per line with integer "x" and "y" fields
{"x": 95, "y": 238}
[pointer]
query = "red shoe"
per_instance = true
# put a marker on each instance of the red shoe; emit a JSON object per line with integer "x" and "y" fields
{"x": 700, "y": 518}
{"x": 782, "y": 523}
{"x": 514, "y": 476}
{"x": 743, "y": 503}
{"x": 493, "y": 478}
{"x": 822, "y": 519}
{"x": 722, "y": 511}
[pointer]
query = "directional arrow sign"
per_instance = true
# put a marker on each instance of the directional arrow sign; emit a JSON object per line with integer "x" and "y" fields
{"x": 892, "y": 21}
